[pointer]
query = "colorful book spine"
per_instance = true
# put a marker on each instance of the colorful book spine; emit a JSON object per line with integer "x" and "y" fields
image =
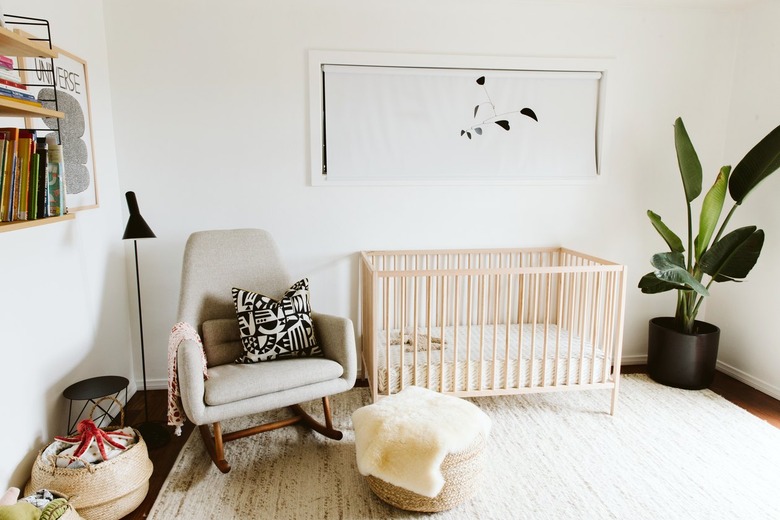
{"x": 24, "y": 101}
{"x": 14, "y": 84}
{"x": 12, "y": 138}
{"x": 21, "y": 193}
{"x": 3, "y": 143}
{"x": 7, "y": 62}
{"x": 32, "y": 196}
{"x": 10, "y": 75}
{"x": 56, "y": 182}
{"x": 14, "y": 88}
{"x": 9, "y": 92}
{"x": 43, "y": 181}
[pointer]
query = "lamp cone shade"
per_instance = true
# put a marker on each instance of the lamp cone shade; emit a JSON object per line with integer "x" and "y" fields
{"x": 136, "y": 225}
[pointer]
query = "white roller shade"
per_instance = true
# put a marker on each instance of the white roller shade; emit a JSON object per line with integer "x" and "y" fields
{"x": 406, "y": 123}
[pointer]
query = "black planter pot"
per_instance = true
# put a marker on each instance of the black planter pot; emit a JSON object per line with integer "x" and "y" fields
{"x": 682, "y": 360}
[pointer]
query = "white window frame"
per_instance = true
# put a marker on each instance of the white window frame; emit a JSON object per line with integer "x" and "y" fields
{"x": 319, "y": 58}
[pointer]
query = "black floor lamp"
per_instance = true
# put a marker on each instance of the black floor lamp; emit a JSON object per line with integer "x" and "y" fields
{"x": 155, "y": 434}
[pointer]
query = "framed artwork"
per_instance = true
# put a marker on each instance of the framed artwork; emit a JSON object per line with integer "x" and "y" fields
{"x": 69, "y": 75}
{"x": 426, "y": 119}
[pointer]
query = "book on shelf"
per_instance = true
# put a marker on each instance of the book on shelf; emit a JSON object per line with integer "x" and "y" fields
{"x": 2, "y": 173}
{"x": 9, "y": 83}
{"x": 19, "y": 94}
{"x": 9, "y": 169}
{"x": 6, "y": 62}
{"x": 43, "y": 179}
{"x": 22, "y": 189}
{"x": 32, "y": 194}
{"x": 23, "y": 101}
{"x": 13, "y": 88}
{"x": 10, "y": 75}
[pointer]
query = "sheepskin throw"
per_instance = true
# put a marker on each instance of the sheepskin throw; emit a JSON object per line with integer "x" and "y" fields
{"x": 402, "y": 439}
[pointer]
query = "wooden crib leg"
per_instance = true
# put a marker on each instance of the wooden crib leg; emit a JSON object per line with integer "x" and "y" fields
{"x": 613, "y": 407}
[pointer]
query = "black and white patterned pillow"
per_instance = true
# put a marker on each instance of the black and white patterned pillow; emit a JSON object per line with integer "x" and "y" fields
{"x": 273, "y": 329}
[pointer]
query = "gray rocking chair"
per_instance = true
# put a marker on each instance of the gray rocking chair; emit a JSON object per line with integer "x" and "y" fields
{"x": 214, "y": 263}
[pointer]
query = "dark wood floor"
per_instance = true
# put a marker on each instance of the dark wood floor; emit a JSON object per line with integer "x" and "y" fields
{"x": 752, "y": 400}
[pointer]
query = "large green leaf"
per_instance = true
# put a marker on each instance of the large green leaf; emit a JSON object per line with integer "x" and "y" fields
{"x": 758, "y": 164}
{"x": 710, "y": 210}
{"x": 670, "y": 268}
{"x": 651, "y": 284}
{"x": 732, "y": 257}
{"x": 688, "y": 161}
{"x": 665, "y": 260}
{"x": 672, "y": 240}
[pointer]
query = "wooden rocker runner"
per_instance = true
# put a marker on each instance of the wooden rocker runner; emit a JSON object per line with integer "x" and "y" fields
{"x": 215, "y": 444}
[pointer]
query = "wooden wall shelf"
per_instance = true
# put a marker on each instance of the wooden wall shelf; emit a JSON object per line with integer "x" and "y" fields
{"x": 11, "y": 108}
{"x": 20, "y": 224}
{"x": 12, "y": 44}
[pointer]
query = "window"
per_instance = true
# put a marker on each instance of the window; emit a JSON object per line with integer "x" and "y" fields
{"x": 408, "y": 119}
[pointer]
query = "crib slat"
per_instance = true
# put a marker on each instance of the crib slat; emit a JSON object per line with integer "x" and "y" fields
{"x": 482, "y": 311}
{"x": 535, "y": 313}
{"x": 428, "y": 311}
{"x": 559, "y": 322}
{"x": 610, "y": 306}
{"x": 548, "y": 289}
{"x": 508, "y": 329}
{"x": 496, "y": 296}
{"x": 572, "y": 291}
{"x": 520, "y": 325}
{"x": 415, "y": 328}
{"x": 442, "y": 328}
{"x": 455, "y": 343}
{"x": 581, "y": 326}
{"x": 386, "y": 321}
{"x": 402, "y": 326}
{"x": 594, "y": 325}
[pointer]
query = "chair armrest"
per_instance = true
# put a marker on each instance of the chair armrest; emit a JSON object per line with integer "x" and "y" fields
{"x": 336, "y": 336}
{"x": 191, "y": 387}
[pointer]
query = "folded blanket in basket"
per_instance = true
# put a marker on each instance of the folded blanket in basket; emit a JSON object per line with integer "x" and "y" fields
{"x": 402, "y": 439}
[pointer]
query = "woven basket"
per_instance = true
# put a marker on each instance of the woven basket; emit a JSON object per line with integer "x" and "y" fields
{"x": 462, "y": 473}
{"x": 105, "y": 491}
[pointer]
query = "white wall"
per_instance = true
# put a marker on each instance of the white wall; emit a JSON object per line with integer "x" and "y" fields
{"x": 63, "y": 291}
{"x": 211, "y": 111}
{"x": 747, "y": 312}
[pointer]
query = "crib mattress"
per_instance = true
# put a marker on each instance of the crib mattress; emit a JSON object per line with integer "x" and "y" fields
{"x": 509, "y": 358}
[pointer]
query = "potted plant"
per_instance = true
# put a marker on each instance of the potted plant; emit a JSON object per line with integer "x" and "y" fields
{"x": 682, "y": 350}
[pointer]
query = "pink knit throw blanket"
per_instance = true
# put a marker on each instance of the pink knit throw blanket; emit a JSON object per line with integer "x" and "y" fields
{"x": 180, "y": 332}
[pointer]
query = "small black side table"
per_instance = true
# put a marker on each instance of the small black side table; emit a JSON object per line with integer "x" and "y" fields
{"x": 91, "y": 390}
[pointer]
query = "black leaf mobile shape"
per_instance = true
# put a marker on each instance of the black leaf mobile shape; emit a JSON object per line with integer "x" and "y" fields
{"x": 477, "y": 127}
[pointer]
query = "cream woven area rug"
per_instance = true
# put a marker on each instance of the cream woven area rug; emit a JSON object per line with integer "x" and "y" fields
{"x": 666, "y": 454}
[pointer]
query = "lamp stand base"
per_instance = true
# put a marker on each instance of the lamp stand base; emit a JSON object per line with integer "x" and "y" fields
{"x": 155, "y": 434}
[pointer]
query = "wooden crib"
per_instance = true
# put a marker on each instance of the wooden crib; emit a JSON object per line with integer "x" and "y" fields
{"x": 491, "y": 322}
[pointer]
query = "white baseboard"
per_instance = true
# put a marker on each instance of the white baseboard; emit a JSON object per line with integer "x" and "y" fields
{"x": 640, "y": 359}
{"x": 736, "y": 373}
{"x": 749, "y": 380}
{"x": 151, "y": 384}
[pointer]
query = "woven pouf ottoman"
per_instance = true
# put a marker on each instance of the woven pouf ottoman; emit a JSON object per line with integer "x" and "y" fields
{"x": 420, "y": 450}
